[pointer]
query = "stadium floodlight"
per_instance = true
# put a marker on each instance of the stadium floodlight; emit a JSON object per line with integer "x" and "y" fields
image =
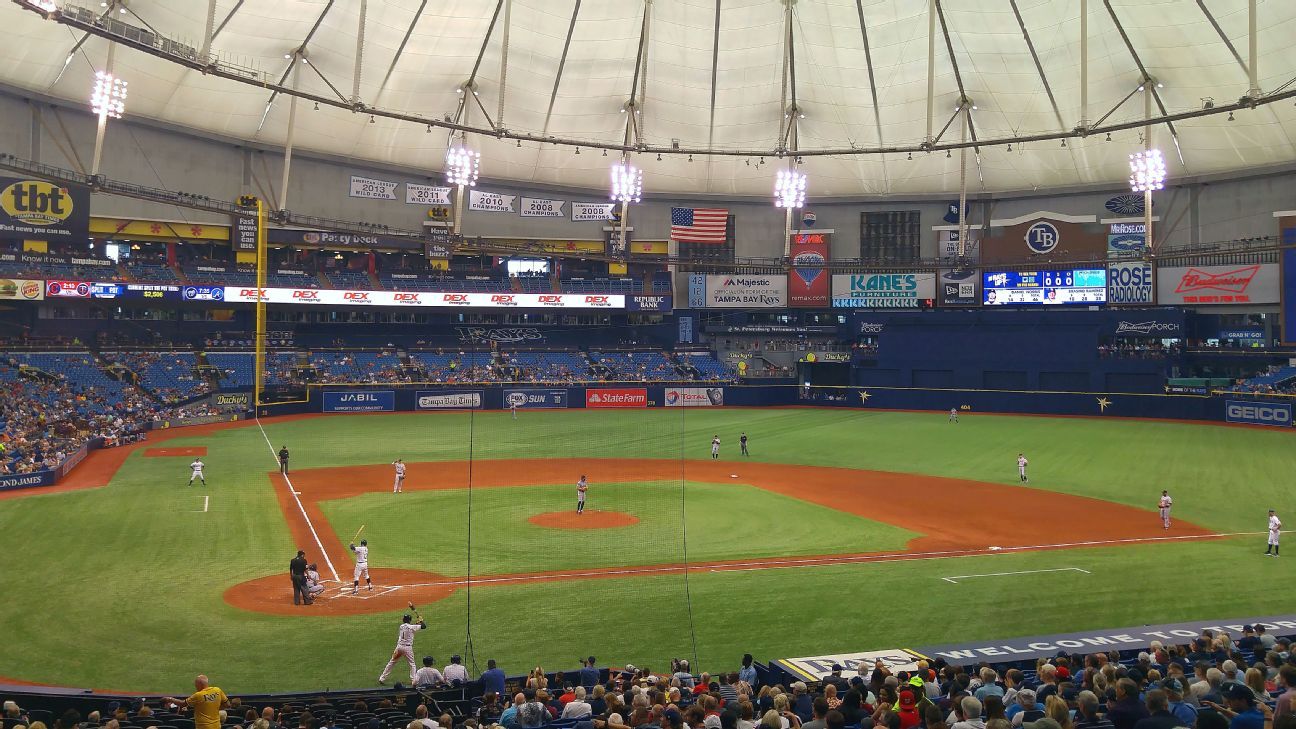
{"x": 789, "y": 189}
{"x": 109, "y": 97}
{"x": 1147, "y": 171}
{"x": 627, "y": 183}
{"x": 462, "y": 166}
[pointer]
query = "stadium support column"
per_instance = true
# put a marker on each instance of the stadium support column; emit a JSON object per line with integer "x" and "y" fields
{"x": 1253, "y": 57}
{"x": 102, "y": 127}
{"x": 964, "y": 111}
{"x": 298, "y": 58}
{"x": 1148, "y": 85}
{"x": 208, "y": 31}
{"x": 1084, "y": 63}
{"x": 258, "y": 337}
{"x": 931, "y": 66}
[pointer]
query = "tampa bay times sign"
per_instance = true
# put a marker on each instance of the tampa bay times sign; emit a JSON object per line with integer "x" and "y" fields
{"x": 39, "y": 210}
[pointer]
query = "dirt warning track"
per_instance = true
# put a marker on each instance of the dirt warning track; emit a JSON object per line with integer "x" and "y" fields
{"x": 956, "y": 518}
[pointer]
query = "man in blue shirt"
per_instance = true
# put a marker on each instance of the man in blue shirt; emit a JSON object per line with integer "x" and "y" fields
{"x": 748, "y": 671}
{"x": 589, "y": 675}
{"x": 492, "y": 679}
{"x": 1241, "y": 709}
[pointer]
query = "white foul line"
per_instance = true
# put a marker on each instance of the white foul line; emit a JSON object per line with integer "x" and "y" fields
{"x": 293, "y": 490}
{"x": 954, "y": 580}
{"x": 206, "y": 503}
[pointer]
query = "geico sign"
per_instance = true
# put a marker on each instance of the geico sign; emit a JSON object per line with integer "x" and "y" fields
{"x": 303, "y": 295}
{"x": 1278, "y": 415}
{"x": 456, "y": 299}
{"x": 405, "y": 298}
{"x": 359, "y": 296}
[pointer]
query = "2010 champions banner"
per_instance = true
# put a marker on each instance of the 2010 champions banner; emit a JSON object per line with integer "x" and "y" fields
{"x": 490, "y": 202}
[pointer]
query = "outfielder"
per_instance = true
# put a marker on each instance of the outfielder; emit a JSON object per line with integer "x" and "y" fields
{"x": 581, "y": 488}
{"x": 715, "y": 447}
{"x": 197, "y": 472}
{"x": 399, "y": 483}
{"x": 953, "y": 418}
{"x": 1164, "y": 505}
{"x": 404, "y": 646}
{"x": 1275, "y": 531}
{"x": 362, "y": 567}
{"x": 742, "y": 443}
{"x": 1021, "y": 467}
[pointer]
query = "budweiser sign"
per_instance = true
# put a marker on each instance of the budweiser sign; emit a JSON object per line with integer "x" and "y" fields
{"x": 1254, "y": 284}
{"x": 1235, "y": 281}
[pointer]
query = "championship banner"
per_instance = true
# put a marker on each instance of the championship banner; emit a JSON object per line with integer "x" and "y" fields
{"x": 22, "y": 289}
{"x": 538, "y": 208}
{"x": 958, "y": 287}
{"x": 1126, "y": 240}
{"x": 1254, "y": 284}
{"x": 581, "y": 211}
{"x": 359, "y": 401}
{"x": 535, "y": 398}
{"x": 491, "y": 202}
{"x": 883, "y": 290}
{"x": 745, "y": 292}
{"x": 634, "y": 397}
{"x": 367, "y": 187}
{"x": 808, "y": 275}
{"x": 39, "y": 210}
{"x": 436, "y": 400}
{"x": 694, "y": 397}
{"x": 426, "y": 194}
{"x": 1130, "y": 283}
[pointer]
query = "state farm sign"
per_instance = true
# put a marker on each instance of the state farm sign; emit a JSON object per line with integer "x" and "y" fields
{"x": 330, "y": 297}
{"x": 1253, "y": 284}
{"x": 634, "y": 397}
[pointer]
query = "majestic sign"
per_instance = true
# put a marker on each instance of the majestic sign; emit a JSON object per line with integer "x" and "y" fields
{"x": 583, "y": 211}
{"x": 694, "y": 397}
{"x": 635, "y": 397}
{"x": 906, "y": 290}
{"x": 359, "y": 401}
{"x": 538, "y": 208}
{"x": 1254, "y": 284}
{"x": 426, "y": 194}
{"x": 39, "y": 210}
{"x": 741, "y": 291}
{"x": 808, "y": 283}
{"x": 368, "y": 187}
{"x": 22, "y": 289}
{"x": 436, "y": 400}
{"x": 1130, "y": 283}
{"x": 491, "y": 202}
{"x": 958, "y": 287}
{"x": 1258, "y": 413}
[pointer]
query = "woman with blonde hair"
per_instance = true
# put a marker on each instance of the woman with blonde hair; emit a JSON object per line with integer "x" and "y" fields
{"x": 537, "y": 679}
{"x": 1255, "y": 680}
{"x": 830, "y": 695}
{"x": 1057, "y": 710}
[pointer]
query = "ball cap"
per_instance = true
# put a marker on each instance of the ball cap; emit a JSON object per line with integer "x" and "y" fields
{"x": 1238, "y": 692}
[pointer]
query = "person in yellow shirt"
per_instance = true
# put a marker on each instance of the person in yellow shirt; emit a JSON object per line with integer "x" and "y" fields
{"x": 206, "y": 702}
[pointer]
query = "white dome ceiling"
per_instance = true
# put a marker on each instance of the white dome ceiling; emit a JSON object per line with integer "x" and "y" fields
{"x": 417, "y": 53}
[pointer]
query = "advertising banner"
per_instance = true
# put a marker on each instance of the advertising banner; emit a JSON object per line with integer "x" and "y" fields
{"x": 359, "y": 401}
{"x": 808, "y": 278}
{"x": 633, "y": 397}
{"x": 206, "y": 293}
{"x": 39, "y": 210}
{"x": 1130, "y": 283}
{"x": 23, "y": 289}
{"x": 1158, "y": 325}
{"x": 12, "y": 481}
{"x": 1126, "y": 240}
{"x": 41, "y": 259}
{"x": 67, "y": 289}
{"x": 582, "y": 211}
{"x": 1247, "y": 334}
{"x": 883, "y": 290}
{"x": 437, "y": 400}
{"x": 694, "y": 397}
{"x": 106, "y": 290}
{"x": 1277, "y": 414}
{"x": 737, "y": 291}
{"x": 437, "y": 299}
{"x": 535, "y": 398}
{"x": 491, "y": 202}
{"x": 948, "y": 245}
{"x": 539, "y": 208}
{"x": 1287, "y": 312}
{"x": 1254, "y": 284}
{"x": 426, "y": 194}
{"x": 958, "y": 287}
{"x": 244, "y": 230}
{"x": 661, "y": 302}
{"x": 1081, "y": 286}
{"x": 368, "y": 187}
{"x": 231, "y": 401}
{"x": 502, "y": 335}
{"x": 815, "y": 668}
{"x": 329, "y": 239}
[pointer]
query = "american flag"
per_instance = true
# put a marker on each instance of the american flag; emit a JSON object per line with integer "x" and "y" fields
{"x": 699, "y": 225}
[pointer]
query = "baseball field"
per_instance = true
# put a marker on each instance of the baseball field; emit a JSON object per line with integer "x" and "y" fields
{"x": 834, "y": 535}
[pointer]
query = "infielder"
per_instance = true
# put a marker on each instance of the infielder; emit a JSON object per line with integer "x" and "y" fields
{"x": 196, "y": 469}
{"x": 1021, "y": 467}
{"x": 1164, "y": 505}
{"x": 399, "y": 483}
{"x": 1275, "y": 531}
{"x": 404, "y": 647}
{"x": 715, "y": 447}
{"x": 742, "y": 443}
{"x": 953, "y": 418}
{"x": 581, "y": 488}
{"x": 362, "y": 567}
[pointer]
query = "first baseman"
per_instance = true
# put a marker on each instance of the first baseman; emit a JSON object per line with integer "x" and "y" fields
{"x": 1275, "y": 531}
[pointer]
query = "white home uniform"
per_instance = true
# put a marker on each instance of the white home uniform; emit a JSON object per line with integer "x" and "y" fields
{"x": 953, "y": 418}
{"x": 399, "y": 483}
{"x": 404, "y": 647}
{"x": 1275, "y": 531}
{"x": 581, "y": 488}
{"x": 362, "y": 563}
{"x": 715, "y": 447}
{"x": 1021, "y": 468}
{"x": 1164, "y": 505}
{"x": 197, "y": 472}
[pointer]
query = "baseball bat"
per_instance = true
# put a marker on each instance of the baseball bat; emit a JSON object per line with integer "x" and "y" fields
{"x": 417, "y": 615}
{"x": 357, "y": 534}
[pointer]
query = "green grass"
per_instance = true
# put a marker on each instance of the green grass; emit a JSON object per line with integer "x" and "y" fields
{"x": 507, "y": 543}
{"x": 121, "y": 587}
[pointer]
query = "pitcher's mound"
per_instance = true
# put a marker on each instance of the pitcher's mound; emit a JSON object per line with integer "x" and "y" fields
{"x": 591, "y": 519}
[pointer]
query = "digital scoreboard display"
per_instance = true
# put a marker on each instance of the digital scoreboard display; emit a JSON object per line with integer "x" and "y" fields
{"x": 1082, "y": 286}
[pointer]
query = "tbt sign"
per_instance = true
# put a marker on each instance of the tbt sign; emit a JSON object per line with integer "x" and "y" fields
{"x": 39, "y": 210}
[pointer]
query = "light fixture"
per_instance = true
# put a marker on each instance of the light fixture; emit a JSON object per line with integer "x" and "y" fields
{"x": 371, "y": 119}
{"x": 789, "y": 189}
{"x": 519, "y": 144}
{"x": 910, "y": 156}
{"x": 1064, "y": 143}
{"x": 462, "y": 165}
{"x": 317, "y": 106}
{"x": 947, "y": 154}
{"x": 1109, "y": 136}
{"x": 109, "y": 97}
{"x": 1010, "y": 146}
{"x": 605, "y": 153}
{"x": 1230, "y": 116}
{"x": 627, "y": 183}
{"x": 690, "y": 158}
{"x": 1147, "y": 171}
{"x": 659, "y": 156}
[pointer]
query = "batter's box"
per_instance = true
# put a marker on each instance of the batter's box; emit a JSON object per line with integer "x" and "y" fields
{"x": 364, "y": 594}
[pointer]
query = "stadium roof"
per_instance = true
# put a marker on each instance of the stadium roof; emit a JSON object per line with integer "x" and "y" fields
{"x": 707, "y": 74}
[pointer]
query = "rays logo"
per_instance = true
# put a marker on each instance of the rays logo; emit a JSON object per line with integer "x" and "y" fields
{"x": 1042, "y": 237}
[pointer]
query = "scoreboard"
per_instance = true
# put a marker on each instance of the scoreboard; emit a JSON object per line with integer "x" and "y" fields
{"x": 1081, "y": 286}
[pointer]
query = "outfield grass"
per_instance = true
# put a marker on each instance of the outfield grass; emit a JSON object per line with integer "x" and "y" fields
{"x": 121, "y": 587}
